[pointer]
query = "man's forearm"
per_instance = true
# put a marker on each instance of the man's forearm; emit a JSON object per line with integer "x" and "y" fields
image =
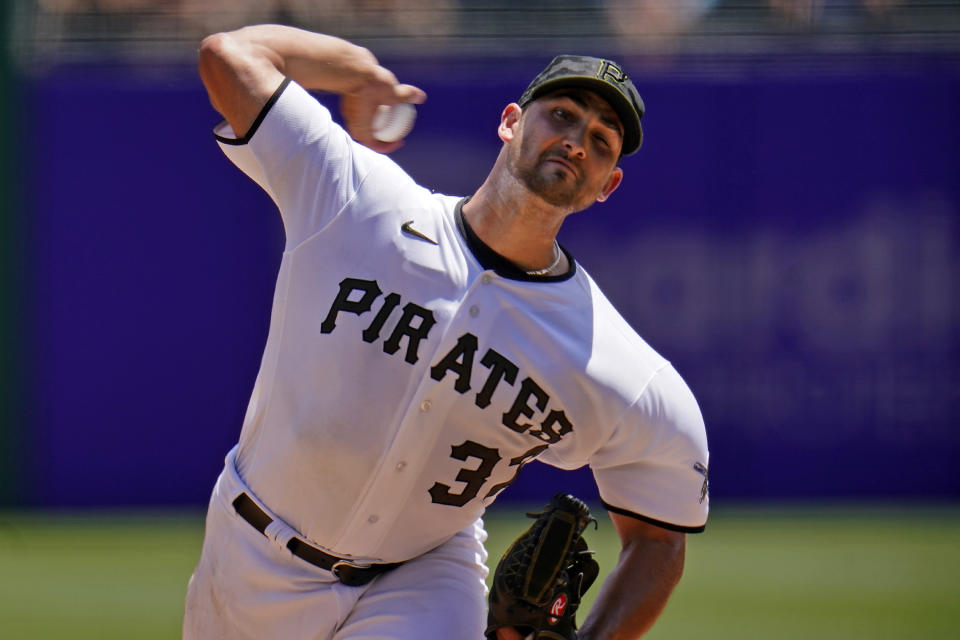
{"x": 636, "y": 591}
{"x": 241, "y": 69}
{"x": 313, "y": 60}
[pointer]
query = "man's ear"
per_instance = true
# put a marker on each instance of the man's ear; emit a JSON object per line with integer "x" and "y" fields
{"x": 509, "y": 122}
{"x": 616, "y": 177}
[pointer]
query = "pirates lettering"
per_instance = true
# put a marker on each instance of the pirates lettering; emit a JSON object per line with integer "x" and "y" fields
{"x": 414, "y": 324}
{"x": 528, "y": 412}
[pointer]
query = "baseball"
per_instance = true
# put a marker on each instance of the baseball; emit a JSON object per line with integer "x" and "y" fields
{"x": 393, "y": 122}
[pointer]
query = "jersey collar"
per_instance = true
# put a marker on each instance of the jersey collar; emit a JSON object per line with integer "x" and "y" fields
{"x": 490, "y": 259}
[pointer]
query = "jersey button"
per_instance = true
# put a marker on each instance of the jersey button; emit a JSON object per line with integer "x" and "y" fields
{"x": 401, "y": 465}
{"x": 373, "y": 519}
{"x": 474, "y": 310}
{"x": 425, "y": 405}
{"x": 486, "y": 279}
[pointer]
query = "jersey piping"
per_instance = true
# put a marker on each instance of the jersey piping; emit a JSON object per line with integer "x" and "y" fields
{"x": 260, "y": 116}
{"x": 659, "y": 523}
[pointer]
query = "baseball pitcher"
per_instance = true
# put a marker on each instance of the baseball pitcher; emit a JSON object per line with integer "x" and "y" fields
{"x": 422, "y": 349}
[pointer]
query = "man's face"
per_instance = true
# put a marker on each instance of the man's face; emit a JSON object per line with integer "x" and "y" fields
{"x": 568, "y": 147}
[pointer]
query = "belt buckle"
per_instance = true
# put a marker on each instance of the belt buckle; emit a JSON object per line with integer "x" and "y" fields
{"x": 349, "y": 563}
{"x": 348, "y": 577}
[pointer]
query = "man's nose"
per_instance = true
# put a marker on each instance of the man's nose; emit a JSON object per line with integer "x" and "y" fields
{"x": 573, "y": 144}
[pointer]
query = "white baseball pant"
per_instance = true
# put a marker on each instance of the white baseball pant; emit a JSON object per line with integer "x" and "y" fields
{"x": 247, "y": 585}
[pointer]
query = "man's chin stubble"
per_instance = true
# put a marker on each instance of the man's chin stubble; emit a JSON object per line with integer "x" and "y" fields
{"x": 552, "y": 191}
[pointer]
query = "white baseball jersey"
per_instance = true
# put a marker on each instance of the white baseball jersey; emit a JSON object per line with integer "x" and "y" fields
{"x": 410, "y": 372}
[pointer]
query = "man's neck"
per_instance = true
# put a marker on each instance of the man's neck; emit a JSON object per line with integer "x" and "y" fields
{"x": 516, "y": 224}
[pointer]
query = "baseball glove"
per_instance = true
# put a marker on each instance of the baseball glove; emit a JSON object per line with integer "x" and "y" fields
{"x": 538, "y": 583}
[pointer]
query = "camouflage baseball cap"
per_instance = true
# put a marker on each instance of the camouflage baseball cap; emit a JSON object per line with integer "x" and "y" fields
{"x": 601, "y": 76}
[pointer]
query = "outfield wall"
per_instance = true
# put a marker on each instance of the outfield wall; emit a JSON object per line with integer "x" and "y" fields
{"x": 788, "y": 237}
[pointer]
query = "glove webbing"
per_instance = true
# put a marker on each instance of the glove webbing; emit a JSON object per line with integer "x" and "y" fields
{"x": 558, "y": 534}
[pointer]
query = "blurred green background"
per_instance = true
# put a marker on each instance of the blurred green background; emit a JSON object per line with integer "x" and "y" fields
{"x": 830, "y": 572}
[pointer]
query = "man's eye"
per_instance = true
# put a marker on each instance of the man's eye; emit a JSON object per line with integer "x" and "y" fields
{"x": 601, "y": 140}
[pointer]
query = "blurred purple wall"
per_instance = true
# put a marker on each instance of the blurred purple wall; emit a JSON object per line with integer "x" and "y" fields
{"x": 789, "y": 240}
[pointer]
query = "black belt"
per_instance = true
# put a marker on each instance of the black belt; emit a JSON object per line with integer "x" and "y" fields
{"x": 350, "y": 573}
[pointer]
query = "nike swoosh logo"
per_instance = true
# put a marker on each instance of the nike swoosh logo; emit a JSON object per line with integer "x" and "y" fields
{"x": 407, "y": 227}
